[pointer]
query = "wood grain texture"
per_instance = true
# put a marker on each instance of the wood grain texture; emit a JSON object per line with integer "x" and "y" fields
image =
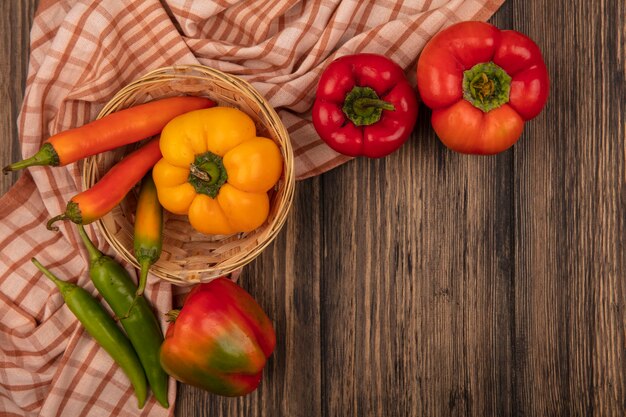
{"x": 15, "y": 24}
{"x": 430, "y": 283}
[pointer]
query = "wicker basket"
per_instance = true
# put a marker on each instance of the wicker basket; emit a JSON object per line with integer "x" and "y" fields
{"x": 188, "y": 256}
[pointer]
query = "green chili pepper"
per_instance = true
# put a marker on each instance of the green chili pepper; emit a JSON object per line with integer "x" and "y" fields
{"x": 101, "y": 326}
{"x": 148, "y": 229}
{"x": 143, "y": 329}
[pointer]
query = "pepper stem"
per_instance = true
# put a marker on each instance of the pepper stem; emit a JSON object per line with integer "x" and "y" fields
{"x": 207, "y": 174}
{"x": 145, "y": 264}
{"x": 72, "y": 212}
{"x": 486, "y": 86}
{"x": 363, "y": 106}
{"x": 94, "y": 253}
{"x": 63, "y": 286}
{"x": 45, "y": 156}
{"x": 55, "y": 219}
{"x": 172, "y": 315}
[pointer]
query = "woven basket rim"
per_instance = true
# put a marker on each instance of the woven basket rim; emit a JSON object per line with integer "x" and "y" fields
{"x": 200, "y": 73}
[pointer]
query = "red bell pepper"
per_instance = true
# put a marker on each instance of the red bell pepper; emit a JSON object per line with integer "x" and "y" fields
{"x": 220, "y": 340}
{"x": 364, "y": 105}
{"x": 482, "y": 85}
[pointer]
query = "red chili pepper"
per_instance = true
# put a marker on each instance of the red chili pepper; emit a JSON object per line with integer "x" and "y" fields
{"x": 364, "y": 105}
{"x": 107, "y": 193}
{"x": 220, "y": 340}
{"x": 482, "y": 84}
{"x": 112, "y": 131}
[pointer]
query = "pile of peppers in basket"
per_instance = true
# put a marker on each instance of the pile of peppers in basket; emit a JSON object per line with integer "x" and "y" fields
{"x": 209, "y": 163}
{"x": 481, "y": 83}
{"x": 206, "y": 162}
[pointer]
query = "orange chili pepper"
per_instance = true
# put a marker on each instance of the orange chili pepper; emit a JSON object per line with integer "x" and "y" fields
{"x": 107, "y": 193}
{"x": 148, "y": 237}
{"x": 112, "y": 131}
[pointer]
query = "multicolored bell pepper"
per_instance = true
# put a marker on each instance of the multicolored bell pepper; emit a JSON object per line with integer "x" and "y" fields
{"x": 219, "y": 341}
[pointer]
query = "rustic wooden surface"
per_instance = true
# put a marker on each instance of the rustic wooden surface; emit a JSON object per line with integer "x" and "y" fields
{"x": 436, "y": 284}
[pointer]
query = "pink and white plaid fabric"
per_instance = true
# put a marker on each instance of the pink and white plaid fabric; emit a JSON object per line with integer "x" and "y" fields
{"x": 82, "y": 52}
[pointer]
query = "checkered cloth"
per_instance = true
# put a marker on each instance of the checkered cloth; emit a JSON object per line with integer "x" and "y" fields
{"x": 82, "y": 52}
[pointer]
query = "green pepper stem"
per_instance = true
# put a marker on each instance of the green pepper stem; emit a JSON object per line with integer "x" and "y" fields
{"x": 55, "y": 219}
{"x": 172, "y": 315}
{"x": 94, "y": 253}
{"x": 486, "y": 86}
{"x": 207, "y": 174}
{"x": 145, "y": 264}
{"x": 363, "y": 106}
{"x": 45, "y": 156}
{"x": 63, "y": 286}
{"x": 130, "y": 308}
{"x": 72, "y": 212}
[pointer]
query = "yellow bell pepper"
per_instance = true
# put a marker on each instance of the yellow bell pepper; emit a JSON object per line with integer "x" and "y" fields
{"x": 216, "y": 170}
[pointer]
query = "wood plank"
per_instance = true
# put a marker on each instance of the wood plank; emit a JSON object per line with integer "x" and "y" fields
{"x": 570, "y": 237}
{"x": 15, "y": 24}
